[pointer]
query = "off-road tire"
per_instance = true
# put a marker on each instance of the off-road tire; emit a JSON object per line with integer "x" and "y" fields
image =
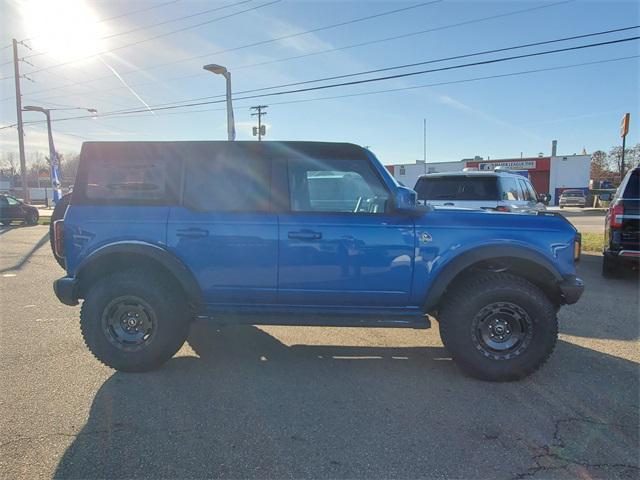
{"x": 610, "y": 268}
{"x": 58, "y": 214}
{"x": 167, "y": 304}
{"x": 467, "y": 299}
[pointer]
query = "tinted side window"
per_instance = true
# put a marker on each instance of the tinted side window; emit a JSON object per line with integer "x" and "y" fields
{"x": 225, "y": 182}
{"x": 633, "y": 186}
{"x": 322, "y": 185}
{"x": 510, "y": 190}
{"x": 136, "y": 179}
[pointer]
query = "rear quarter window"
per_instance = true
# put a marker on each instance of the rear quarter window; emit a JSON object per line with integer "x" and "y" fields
{"x": 129, "y": 174}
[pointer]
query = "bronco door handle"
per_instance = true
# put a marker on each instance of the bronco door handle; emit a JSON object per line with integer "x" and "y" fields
{"x": 305, "y": 235}
{"x": 192, "y": 233}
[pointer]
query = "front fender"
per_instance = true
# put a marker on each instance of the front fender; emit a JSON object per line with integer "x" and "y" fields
{"x": 440, "y": 272}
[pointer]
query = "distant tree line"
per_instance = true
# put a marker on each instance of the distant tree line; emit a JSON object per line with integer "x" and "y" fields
{"x": 38, "y": 166}
{"x": 608, "y": 165}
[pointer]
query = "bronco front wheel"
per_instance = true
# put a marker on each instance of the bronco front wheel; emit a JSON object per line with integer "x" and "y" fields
{"x": 134, "y": 321}
{"x": 498, "y": 326}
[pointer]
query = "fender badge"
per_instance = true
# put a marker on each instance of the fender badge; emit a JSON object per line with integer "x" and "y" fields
{"x": 425, "y": 237}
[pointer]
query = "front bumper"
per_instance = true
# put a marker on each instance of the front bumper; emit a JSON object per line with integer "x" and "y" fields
{"x": 65, "y": 290}
{"x": 571, "y": 288}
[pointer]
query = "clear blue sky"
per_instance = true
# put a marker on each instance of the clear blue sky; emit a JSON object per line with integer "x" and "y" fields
{"x": 580, "y": 107}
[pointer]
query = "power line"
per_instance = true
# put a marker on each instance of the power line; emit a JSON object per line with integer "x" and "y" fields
{"x": 375, "y": 92}
{"x": 271, "y": 40}
{"x": 415, "y": 64}
{"x": 389, "y": 77}
{"x": 377, "y": 79}
{"x": 155, "y": 37}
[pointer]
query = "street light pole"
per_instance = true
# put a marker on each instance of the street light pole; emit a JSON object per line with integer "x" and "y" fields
{"x": 23, "y": 162}
{"x": 220, "y": 70}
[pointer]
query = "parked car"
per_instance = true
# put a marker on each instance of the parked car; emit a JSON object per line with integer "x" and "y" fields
{"x": 573, "y": 198}
{"x": 500, "y": 191}
{"x": 299, "y": 233}
{"x": 15, "y": 210}
{"x": 622, "y": 227}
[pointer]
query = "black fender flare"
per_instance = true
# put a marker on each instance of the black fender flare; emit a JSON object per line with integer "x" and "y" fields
{"x": 475, "y": 255}
{"x": 151, "y": 252}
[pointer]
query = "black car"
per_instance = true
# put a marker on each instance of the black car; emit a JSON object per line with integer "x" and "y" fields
{"x": 622, "y": 227}
{"x": 12, "y": 210}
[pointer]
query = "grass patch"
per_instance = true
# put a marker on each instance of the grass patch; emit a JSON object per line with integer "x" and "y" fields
{"x": 44, "y": 220}
{"x": 592, "y": 242}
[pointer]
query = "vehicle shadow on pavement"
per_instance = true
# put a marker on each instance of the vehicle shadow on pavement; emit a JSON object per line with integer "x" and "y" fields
{"x": 25, "y": 258}
{"x": 249, "y": 406}
{"x": 592, "y": 316}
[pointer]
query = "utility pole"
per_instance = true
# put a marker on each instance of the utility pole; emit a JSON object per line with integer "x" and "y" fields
{"x": 260, "y": 131}
{"x": 424, "y": 155}
{"x": 23, "y": 162}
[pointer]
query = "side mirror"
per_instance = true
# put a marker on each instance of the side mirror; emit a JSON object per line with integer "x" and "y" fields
{"x": 544, "y": 198}
{"x": 406, "y": 200}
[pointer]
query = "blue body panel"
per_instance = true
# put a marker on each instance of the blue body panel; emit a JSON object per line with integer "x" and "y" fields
{"x": 317, "y": 262}
{"x": 351, "y": 260}
{"x": 456, "y": 232}
{"x": 234, "y": 256}
{"x": 88, "y": 228}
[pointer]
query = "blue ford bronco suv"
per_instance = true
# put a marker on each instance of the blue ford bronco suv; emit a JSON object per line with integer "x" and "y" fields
{"x": 300, "y": 233}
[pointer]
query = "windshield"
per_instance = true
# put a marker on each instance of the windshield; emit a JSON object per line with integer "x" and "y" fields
{"x": 573, "y": 193}
{"x": 457, "y": 187}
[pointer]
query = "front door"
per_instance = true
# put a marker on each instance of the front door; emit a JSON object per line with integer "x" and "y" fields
{"x": 339, "y": 244}
{"x": 224, "y": 231}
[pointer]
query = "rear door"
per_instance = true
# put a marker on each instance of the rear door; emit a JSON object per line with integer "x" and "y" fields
{"x": 224, "y": 230}
{"x": 339, "y": 243}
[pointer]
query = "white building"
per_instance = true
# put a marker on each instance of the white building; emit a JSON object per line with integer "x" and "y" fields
{"x": 552, "y": 174}
{"x": 408, "y": 173}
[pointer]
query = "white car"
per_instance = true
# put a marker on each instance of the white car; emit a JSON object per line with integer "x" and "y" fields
{"x": 573, "y": 198}
{"x": 497, "y": 190}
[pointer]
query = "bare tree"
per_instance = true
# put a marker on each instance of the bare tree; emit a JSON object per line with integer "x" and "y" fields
{"x": 9, "y": 164}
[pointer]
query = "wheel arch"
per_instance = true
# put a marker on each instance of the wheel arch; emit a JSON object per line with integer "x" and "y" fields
{"x": 517, "y": 260}
{"x": 127, "y": 255}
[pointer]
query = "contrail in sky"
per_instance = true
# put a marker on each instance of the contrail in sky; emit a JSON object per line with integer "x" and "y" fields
{"x": 125, "y": 83}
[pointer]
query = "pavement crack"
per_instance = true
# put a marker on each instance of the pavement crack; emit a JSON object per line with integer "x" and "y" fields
{"x": 546, "y": 458}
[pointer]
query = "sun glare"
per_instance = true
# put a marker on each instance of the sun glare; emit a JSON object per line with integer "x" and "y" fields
{"x": 64, "y": 29}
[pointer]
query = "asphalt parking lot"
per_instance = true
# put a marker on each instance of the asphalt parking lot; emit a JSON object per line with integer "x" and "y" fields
{"x": 292, "y": 402}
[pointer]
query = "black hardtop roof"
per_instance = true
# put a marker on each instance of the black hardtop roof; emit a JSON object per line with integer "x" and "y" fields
{"x": 185, "y": 148}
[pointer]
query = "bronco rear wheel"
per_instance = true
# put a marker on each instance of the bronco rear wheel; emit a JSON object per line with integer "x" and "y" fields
{"x": 134, "y": 321}
{"x": 498, "y": 326}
